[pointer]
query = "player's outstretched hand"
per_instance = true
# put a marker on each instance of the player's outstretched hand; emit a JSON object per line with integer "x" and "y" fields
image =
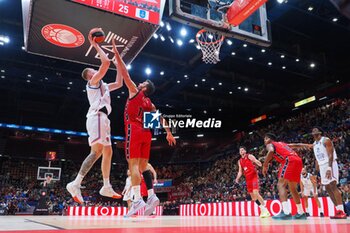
{"x": 171, "y": 140}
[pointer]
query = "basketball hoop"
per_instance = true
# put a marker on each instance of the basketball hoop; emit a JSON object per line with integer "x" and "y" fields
{"x": 210, "y": 44}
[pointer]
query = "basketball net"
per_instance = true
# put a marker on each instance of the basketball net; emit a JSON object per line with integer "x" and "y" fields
{"x": 210, "y": 44}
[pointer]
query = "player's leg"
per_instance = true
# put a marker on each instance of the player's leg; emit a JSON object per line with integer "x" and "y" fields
{"x": 305, "y": 198}
{"x": 318, "y": 205}
{"x": 152, "y": 200}
{"x": 293, "y": 188}
{"x": 74, "y": 186}
{"x": 261, "y": 203}
{"x": 107, "y": 189}
{"x": 283, "y": 195}
{"x": 338, "y": 200}
{"x": 129, "y": 204}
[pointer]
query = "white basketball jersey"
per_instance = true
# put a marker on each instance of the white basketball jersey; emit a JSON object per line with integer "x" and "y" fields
{"x": 99, "y": 97}
{"x": 306, "y": 181}
{"x": 320, "y": 152}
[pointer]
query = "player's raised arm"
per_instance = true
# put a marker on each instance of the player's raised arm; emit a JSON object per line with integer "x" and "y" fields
{"x": 239, "y": 174}
{"x": 269, "y": 156}
{"x": 105, "y": 62}
{"x": 169, "y": 136}
{"x": 254, "y": 160}
{"x": 119, "y": 78}
{"x": 125, "y": 74}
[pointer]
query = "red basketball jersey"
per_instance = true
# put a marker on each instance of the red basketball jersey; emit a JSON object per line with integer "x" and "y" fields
{"x": 282, "y": 151}
{"x": 135, "y": 107}
{"x": 248, "y": 167}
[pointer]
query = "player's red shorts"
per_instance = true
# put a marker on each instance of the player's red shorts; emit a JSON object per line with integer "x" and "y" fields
{"x": 138, "y": 142}
{"x": 291, "y": 169}
{"x": 252, "y": 183}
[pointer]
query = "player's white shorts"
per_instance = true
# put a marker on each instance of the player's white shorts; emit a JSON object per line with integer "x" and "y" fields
{"x": 308, "y": 192}
{"x": 98, "y": 129}
{"x": 335, "y": 173}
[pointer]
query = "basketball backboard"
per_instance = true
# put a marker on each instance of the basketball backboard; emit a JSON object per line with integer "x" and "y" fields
{"x": 55, "y": 173}
{"x": 203, "y": 14}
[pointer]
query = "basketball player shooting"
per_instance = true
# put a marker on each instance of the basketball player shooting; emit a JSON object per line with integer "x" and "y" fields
{"x": 138, "y": 139}
{"x": 327, "y": 165}
{"x": 288, "y": 175}
{"x": 98, "y": 124}
{"x": 246, "y": 165}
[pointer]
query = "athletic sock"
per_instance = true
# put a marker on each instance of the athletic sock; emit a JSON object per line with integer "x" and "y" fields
{"x": 78, "y": 179}
{"x": 340, "y": 207}
{"x": 150, "y": 192}
{"x": 137, "y": 193}
{"x": 106, "y": 182}
{"x": 285, "y": 207}
{"x": 300, "y": 209}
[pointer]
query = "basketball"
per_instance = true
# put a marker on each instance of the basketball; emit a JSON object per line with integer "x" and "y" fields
{"x": 97, "y": 35}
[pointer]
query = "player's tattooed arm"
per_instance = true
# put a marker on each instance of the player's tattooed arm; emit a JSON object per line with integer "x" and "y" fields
{"x": 88, "y": 163}
{"x": 300, "y": 146}
{"x": 270, "y": 150}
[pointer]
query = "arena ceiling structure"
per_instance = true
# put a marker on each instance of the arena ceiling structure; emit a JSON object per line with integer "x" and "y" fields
{"x": 309, "y": 56}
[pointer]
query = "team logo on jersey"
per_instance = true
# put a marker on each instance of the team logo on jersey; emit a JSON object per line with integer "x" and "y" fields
{"x": 62, "y": 35}
{"x": 151, "y": 120}
{"x": 142, "y": 14}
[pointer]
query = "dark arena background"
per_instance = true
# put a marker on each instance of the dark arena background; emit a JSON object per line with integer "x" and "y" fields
{"x": 225, "y": 73}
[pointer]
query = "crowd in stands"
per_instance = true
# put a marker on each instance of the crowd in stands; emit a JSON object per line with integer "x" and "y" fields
{"x": 194, "y": 183}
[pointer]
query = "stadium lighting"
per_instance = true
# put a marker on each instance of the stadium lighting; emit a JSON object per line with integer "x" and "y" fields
{"x": 4, "y": 39}
{"x": 2, "y": 76}
{"x": 263, "y": 50}
{"x": 168, "y": 26}
{"x": 162, "y": 73}
{"x": 185, "y": 76}
{"x": 148, "y": 71}
{"x": 239, "y": 88}
{"x": 29, "y": 75}
{"x": 297, "y": 60}
{"x": 179, "y": 42}
{"x": 312, "y": 65}
{"x": 283, "y": 67}
{"x": 270, "y": 63}
{"x": 233, "y": 53}
{"x": 251, "y": 58}
{"x": 230, "y": 92}
{"x": 212, "y": 88}
{"x": 280, "y": 1}
{"x": 191, "y": 41}
{"x": 183, "y": 32}
{"x": 70, "y": 83}
{"x": 310, "y": 8}
{"x": 220, "y": 84}
{"x": 203, "y": 80}
{"x": 246, "y": 89}
{"x": 178, "y": 81}
{"x": 335, "y": 19}
{"x": 282, "y": 56}
{"x": 200, "y": 135}
{"x": 162, "y": 24}
{"x": 198, "y": 47}
{"x": 155, "y": 36}
{"x": 195, "y": 85}
{"x": 176, "y": 137}
{"x": 2, "y": 71}
{"x": 245, "y": 45}
{"x": 128, "y": 67}
{"x": 162, "y": 38}
{"x": 171, "y": 39}
{"x": 229, "y": 42}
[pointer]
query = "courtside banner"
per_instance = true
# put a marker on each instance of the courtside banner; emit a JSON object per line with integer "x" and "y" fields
{"x": 105, "y": 211}
{"x": 249, "y": 208}
{"x": 60, "y": 29}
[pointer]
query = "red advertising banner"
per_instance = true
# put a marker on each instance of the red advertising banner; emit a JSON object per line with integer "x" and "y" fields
{"x": 250, "y": 208}
{"x": 145, "y": 10}
{"x": 105, "y": 211}
{"x": 242, "y": 9}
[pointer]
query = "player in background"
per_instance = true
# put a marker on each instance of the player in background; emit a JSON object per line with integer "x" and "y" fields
{"x": 288, "y": 175}
{"x": 138, "y": 139}
{"x": 308, "y": 187}
{"x": 246, "y": 166}
{"x": 98, "y": 125}
{"x": 326, "y": 163}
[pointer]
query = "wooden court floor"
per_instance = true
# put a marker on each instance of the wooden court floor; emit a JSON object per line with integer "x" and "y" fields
{"x": 168, "y": 224}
